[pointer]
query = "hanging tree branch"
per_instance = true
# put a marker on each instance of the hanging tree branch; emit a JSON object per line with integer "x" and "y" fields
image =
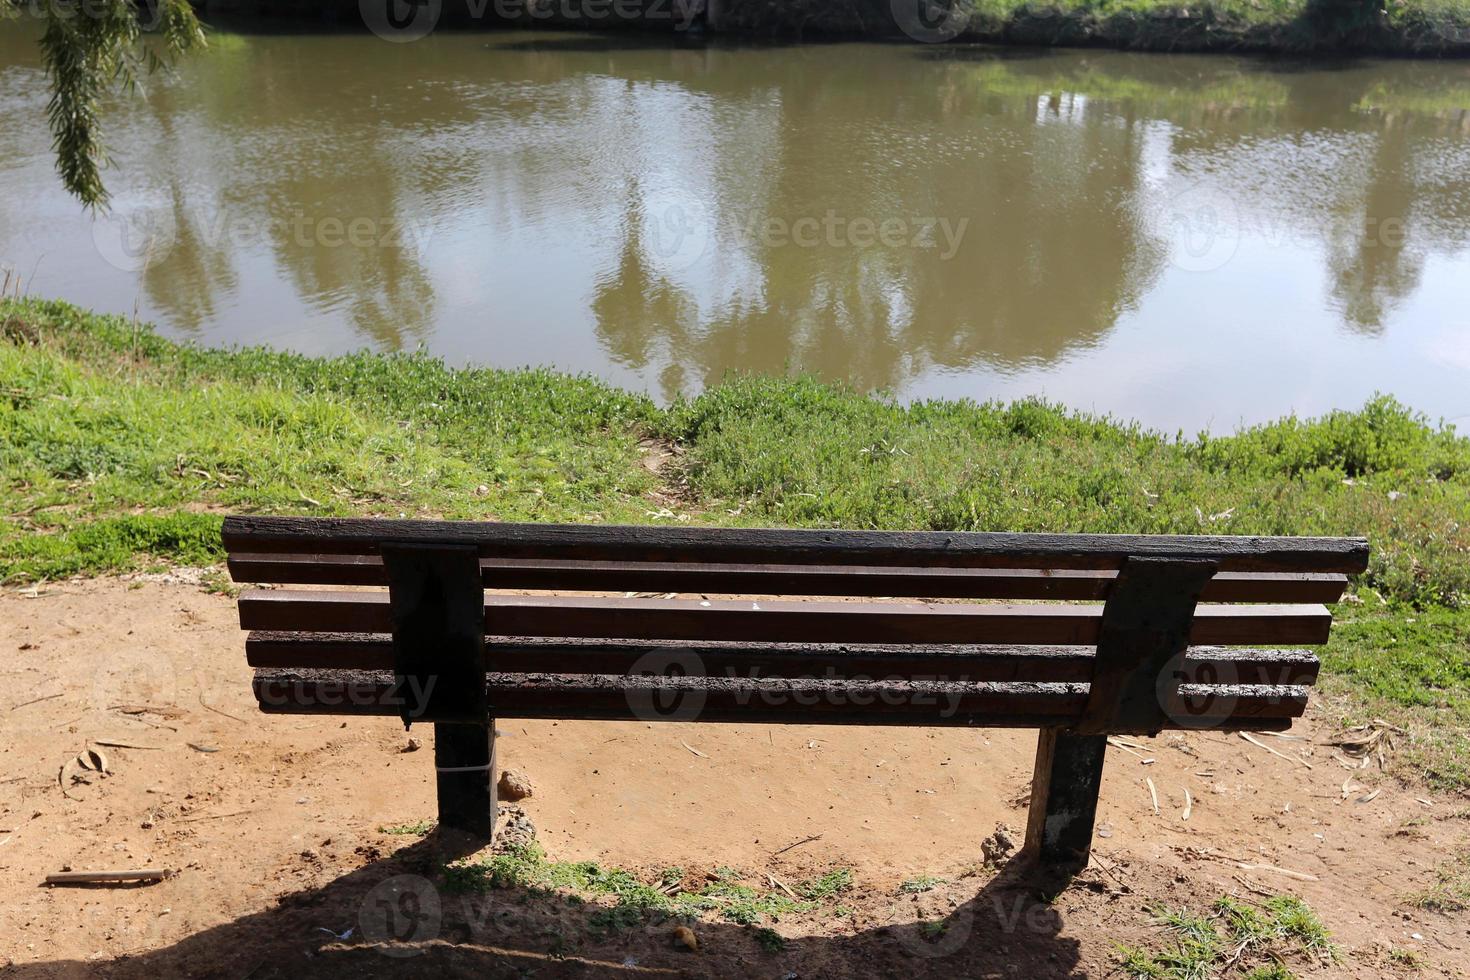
{"x": 90, "y": 48}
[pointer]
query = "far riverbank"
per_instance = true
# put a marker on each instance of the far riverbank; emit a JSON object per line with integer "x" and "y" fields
{"x": 1420, "y": 28}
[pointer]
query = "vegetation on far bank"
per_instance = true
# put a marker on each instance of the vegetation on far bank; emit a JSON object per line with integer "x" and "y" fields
{"x": 1289, "y": 26}
{"x": 1418, "y": 27}
{"x": 120, "y": 449}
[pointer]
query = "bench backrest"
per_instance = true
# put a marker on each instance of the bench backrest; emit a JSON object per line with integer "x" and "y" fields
{"x": 1132, "y": 639}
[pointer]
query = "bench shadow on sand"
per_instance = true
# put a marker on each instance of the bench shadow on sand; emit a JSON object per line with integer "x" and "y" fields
{"x": 406, "y": 923}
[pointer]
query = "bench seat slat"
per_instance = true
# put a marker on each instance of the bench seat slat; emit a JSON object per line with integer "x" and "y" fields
{"x": 784, "y": 579}
{"x": 361, "y": 536}
{"x": 815, "y": 622}
{"x": 374, "y": 651}
{"x": 605, "y": 697}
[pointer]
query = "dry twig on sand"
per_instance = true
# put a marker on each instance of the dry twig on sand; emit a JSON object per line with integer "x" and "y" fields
{"x": 804, "y": 840}
{"x": 1289, "y": 758}
{"x": 105, "y": 877}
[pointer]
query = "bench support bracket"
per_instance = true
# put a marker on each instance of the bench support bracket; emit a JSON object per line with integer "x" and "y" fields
{"x": 1142, "y": 638}
{"x": 1145, "y": 628}
{"x": 438, "y": 609}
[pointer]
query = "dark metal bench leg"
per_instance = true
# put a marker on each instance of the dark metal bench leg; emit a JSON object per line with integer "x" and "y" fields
{"x": 1064, "y": 793}
{"x": 465, "y": 758}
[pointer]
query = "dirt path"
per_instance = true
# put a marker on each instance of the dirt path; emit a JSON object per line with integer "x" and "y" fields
{"x": 273, "y": 825}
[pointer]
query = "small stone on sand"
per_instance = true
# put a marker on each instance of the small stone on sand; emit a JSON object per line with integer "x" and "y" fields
{"x": 514, "y": 785}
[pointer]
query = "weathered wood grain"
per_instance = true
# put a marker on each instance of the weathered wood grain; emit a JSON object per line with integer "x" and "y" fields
{"x": 813, "y": 622}
{"x": 362, "y": 536}
{"x": 787, "y": 701}
{"x": 779, "y": 579}
{"x": 370, "y": 651}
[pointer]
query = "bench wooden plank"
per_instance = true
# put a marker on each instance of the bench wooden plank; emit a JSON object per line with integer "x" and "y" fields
{"x": 787, "y": 701}
{"x": 782, "y": 579}
{"x": 816, "y": 622}
{"x": 370, "y": 651}
{"x": 362, "y": 536}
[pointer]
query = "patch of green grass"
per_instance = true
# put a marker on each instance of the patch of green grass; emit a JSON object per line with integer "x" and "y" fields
{"x": 742, "y": 904}
{"x": 116, "y": 444}
{"x": 108, "y": 544}
{"x": 1139, "y": 963}
{"x": 827, "y": 885}
{"x": 634, "y": 901}
{"x": 1254, "y": 939}
{"x": 1196, "y": 947}
{"x": 217, "y": 581}
{"x": 1269, "y": 971}
{"x": 770, "y": 940}
{"x": 1406, "y": 958}
{"x": 1409, "y": 667}
{"x": 1294, "y": 920}
{"x": 923, "y": 883}
{"x": 1450, "y": 892}
{"x": 1244, "y": 926}
{"x": 416, "y": 828}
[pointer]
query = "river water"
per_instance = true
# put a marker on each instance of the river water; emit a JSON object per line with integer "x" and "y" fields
{"x": 1192, "y": 241}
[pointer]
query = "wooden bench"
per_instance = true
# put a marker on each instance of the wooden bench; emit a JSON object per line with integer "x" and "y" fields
{"x": 1143, "y": 633}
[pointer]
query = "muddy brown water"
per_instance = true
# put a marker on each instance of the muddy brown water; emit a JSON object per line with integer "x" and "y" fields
{"x": 1192, "y": 241}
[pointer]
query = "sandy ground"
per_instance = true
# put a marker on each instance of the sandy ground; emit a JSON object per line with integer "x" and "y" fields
{"x": 272, "y": 824}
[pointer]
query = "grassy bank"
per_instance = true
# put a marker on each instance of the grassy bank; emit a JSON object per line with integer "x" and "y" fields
{"x": 120, "y": 449}
{"x": 1421, "y": 27}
